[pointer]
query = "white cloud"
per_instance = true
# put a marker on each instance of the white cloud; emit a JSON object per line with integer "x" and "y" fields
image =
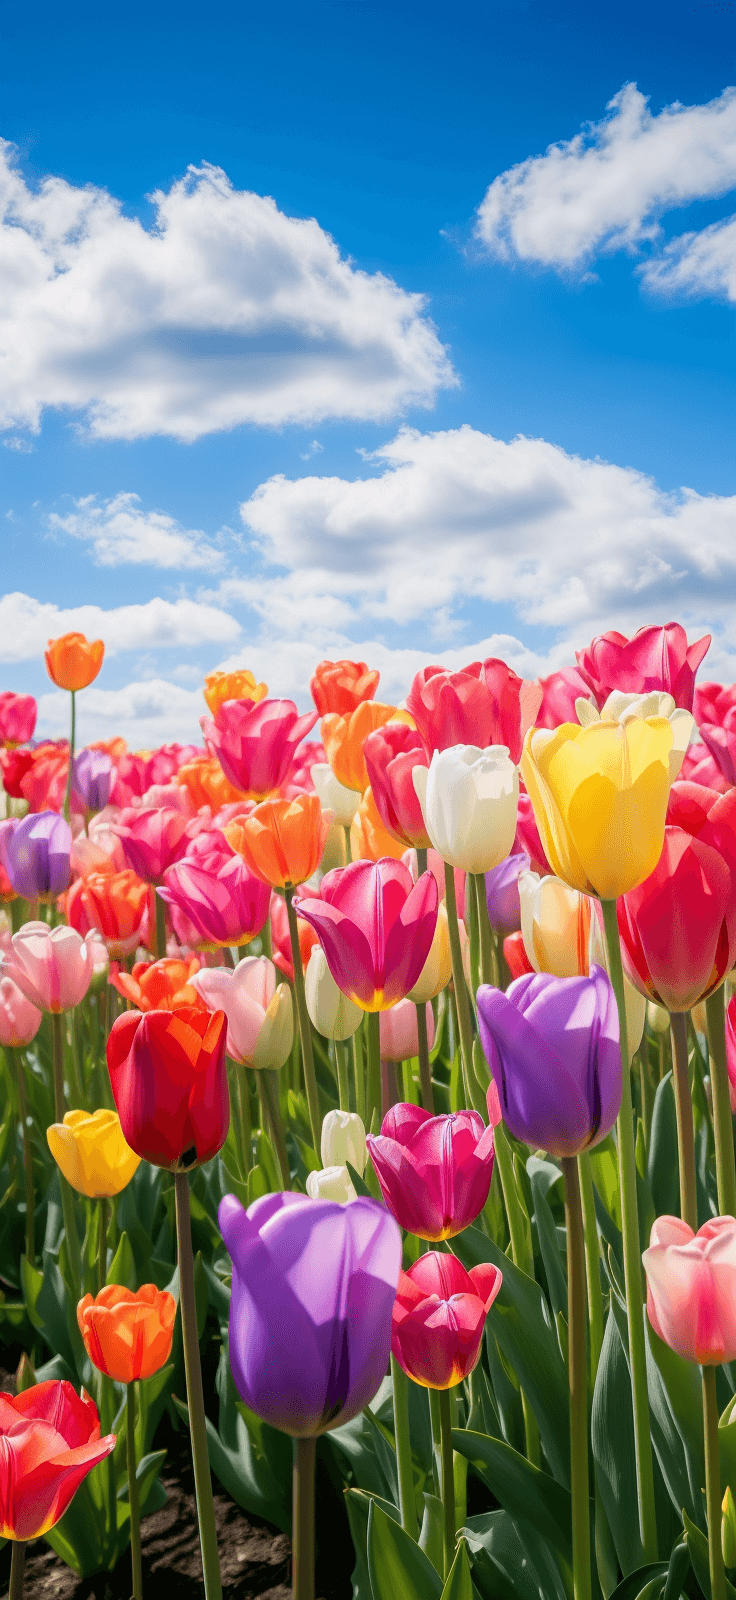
{"x": 146, "y": 714}
{"x": 606, "y": 188}
{"x": 26, "y": 624}
{"x": 121, "y": 534}
{"x": 699, "y": 264}
{"x": 225, "y": 311}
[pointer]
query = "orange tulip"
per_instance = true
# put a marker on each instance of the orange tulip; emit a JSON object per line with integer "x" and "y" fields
{"x": 127, "y": 1333}
{"x": 369, "y": 839}
{"x": 341, "y": 685}
{"x": 160, "y": 985}
{"x": 118, "y": 904}
{"x": 206, "y": 784}
{"x": 282, "y": 840}
{"x": 72, "y": 661}
{"x": 343, "y": 739}
{"x": 239, "y": 685}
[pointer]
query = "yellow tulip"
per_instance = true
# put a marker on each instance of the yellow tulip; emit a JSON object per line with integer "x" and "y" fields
{"x": 437, "y": 970}
{"x": 600, "y": 799}
{"x": 555, "y": 925}
{"x": 238, "y": 685}
{"x": 92, "y": 1154}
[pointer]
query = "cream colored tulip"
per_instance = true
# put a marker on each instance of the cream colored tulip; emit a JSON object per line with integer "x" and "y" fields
{"x": 555, "y": 925}
{"x": 620, "y": 707}
{"x": 277, "y": 1031}
{"x": 469, "y": 798}
{"x": 657, "y": 1017}
{"x": 331, "y": 1012}
{"x": 437, "y": 970}
{"x": 333, "y": 795}
{"x": 332, "y": 1183}
{"x": 343, "y": 1140}
{"x": 635, "y": 1003}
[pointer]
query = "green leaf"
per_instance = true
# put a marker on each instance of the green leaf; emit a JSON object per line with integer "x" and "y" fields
{"x": 664, "y": 1180}
{"x": 459, "y": 1585}
{"x": 677, "y": 1425}
{"x": 396, "y": 1564}
{"x": 359, "y": 1184}
{"x": 677, "y": 1572}
{"x": 257, "y": 1184}
{"x": 697, "y": 1545}
{"x": 639, "y": 1583}
{"x": 612, "y": 1437}
{"x": 604, "y": 1167}
{"x": 358, "y": 1504}
{"x": 547, "y": 1234}
{"x": 431, "y": 1537}
{"x": 122, "y": 1267}
{"x": 521, "y": 1489}
{"x": 511, "y": 1562}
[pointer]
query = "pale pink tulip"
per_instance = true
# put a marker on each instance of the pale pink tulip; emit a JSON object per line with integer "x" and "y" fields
{"x": 399, "y": 1037}
{"x": 19, "y": 1020}
{"x": 260, "y": 1023}
{"x": 52, "y": 966}
{"x": 691, "y": 1288}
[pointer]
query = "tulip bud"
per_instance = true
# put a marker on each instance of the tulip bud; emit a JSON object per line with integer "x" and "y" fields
{"x": 437, "y": 969}
{"x": 657, "y": 1018}
{"x": 332, "y": 1183}
{"x": 330, "y": 1011}
{"x": 343, "y": 1140}
{"x": 468, "y": 798}
{"x": 276, "y": 1036}
{"x": 728, "y": 1530}
{"x": 333, "y": 795}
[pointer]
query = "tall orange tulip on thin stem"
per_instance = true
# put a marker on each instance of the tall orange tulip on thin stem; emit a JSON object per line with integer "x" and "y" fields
{"x": 72, "y": 662}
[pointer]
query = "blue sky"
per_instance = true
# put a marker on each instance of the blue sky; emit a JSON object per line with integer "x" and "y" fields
{"x": 569, "y": 372}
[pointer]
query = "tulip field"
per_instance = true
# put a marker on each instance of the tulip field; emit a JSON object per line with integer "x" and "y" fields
{"x": 366, "y": 1136}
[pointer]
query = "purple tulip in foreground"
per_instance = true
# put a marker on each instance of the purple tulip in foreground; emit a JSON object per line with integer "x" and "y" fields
{"x": 314, "y": 1284}
{"x": 553, "y": 1048}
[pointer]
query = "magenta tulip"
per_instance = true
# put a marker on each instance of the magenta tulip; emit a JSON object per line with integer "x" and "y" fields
{"x": 654, "y": 659}
{"x": 255, "y": 741}
{"x": 375, "y": 926}
{"x": 391, "y": 754}
{"x": 151, "y": 840}
{"x": 17, "y": 718}
{"x": 435, "y": 1172}
{"x": 215, "y": 900}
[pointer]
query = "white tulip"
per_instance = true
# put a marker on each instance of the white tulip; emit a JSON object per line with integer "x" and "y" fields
{"x": 620, "y": 707}
{"x": 332, "y": 1183}
{"x": 333, "y": 796}
{"x": 635, "y": 1003}
{"x": 468, "y": 799}
{"x": 333, "y": 1015}
{"x": 343, "y": 1140}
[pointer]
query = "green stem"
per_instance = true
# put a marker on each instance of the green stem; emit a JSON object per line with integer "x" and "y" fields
{"x": 16, "y": 1061}
{"x": 266, "y": 942}
{"x": 632, "y": 1254}
{"x": 57, "y": 1046}
{"x": 348, "y": 851}
{"x": 135, "y": 1515}
{"x": 421, "y": 861}
{"x": 373, "y": 1075}
{"x": 305, "y": 1032}
{"x": 522, "y": 1259}
{"x": 195, "y": 1396}
{"x": 472, "y": 1091}
{"x": 302, "y": 1522}
{"x": 102, "y": 1246}
{"x": 592, "y": 1266}
{"x": 72, "y": 737}
{"x": 684, "y": 1113}
{"x": 358, "y": 1073}
{"x": 578, "y": 1382}
{"x": 245, "y": 1119}
{"x": 425, "y": 1068}
{"x": 713, "y": 1484}
{"x": 722, "y": 1122}
{"x": 75, "y": 1074}
{"x": 434, "y": 1419}
{"x": 484, "y": 924}
{"x": 17, "y": 1569}
{"x": 402, "y": 1437}
{"x": 67, "y": 1196}
{"x": 343, "y": 1080}
{"x": 448, "y": 1480}
{"x": 160, "y": 926}
{"x": 473, "y": 925}
{"x": 271, "y": 1093}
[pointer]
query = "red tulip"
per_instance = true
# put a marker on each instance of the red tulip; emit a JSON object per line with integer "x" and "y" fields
{"x": 517, "y": 959}
{"x": 484, "y": 704}
{"x": 341, "y": 686}
{"x": 438, "y": 1318}
{"x": 167, "y": 1070}
{"x": 655, "y": 658}
{"x": 434, "y": 1172}
{"x": 49, "y": 1441}
{"x": 678, "y": 928}
{"x": 699, "y": 766}
{"x": 527, "y": 841}
{"x": 391, "y": 754}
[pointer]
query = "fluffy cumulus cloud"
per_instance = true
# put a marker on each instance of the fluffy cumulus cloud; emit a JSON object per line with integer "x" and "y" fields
{"x": 26, "y": 624}
{"x": 606, "y": 189}
{"x": 120, "y": 533}
{"x": 224, "y": 311}
{"x": 146, "y": 714}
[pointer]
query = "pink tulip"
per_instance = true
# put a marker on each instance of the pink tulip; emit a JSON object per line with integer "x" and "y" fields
{"x": 700, "y": 767}
{"x": 216, "y": 896}
{"x": 255, "y": 742}
{"x": 131, "y": 779}
{"x": 52, "y": 966}
{"x": 527, "y": 841}
{"x": 172, "y": 796}
{"x": 559, "y": 692}
{"x": 260, "y": 1027}
{"x": 434, "y": 1172}
{"x": 152, "y": 840}
{"x": 654, "y": 659}
{"x": 690, "y": 1288}
{"x": 163, "y": 764}
{"x": 375, "y": 926}
{"x": 298, "y": 779}
{"x": 391, "y": 754}
{"x": 17, "y": 717}
{"x": 486, "y": 703}
{"x": 399, "y": 1037}
{"x": 19, "y": 1020}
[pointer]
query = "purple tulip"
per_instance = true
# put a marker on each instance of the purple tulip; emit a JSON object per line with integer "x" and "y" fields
{"x": 502, "y": 893}
{"x": 35, "y": 854}
{"x": 93, "y": 779}
{"x": 552, "y": 1047}
{"x": 314, "y": 1285}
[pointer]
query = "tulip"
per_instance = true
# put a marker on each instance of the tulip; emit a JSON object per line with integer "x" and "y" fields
{"x": 555, "y": 926}
{"x": 344, "y": 737}
{"x": 164, "y": 985}
{"x": 50, "y": 1441}
{"x": 434, "y": 1172}
{"x": 376, "y": 928}
{"x": 437, "y": 970}
{"x": 19, "y": 1019}
{"x": 299, "y": 777}
{"x": 369, "y": 839}
{"x": 330, "y": 1011}
{"x": 152, "y": 840}
{"x": 206, "y": 784}
{"x": 468, "y": 798}
{"x": 282, "y": 840}
{"x": 92, "y": 1154}
{"x": 700, "y": 767}
{"x": 334, "y": 797}
{"x": 690, "y": 1300}
{"x": 36, "y": 855}
{"x": 654, "y": 704}
{"x": 225, "y": 906}
{"x": 515, "y": 955}
{"x": 721, "y": 745}
{"x": 281, "y": 941}
{"x": 527, "y": 841}
{"x": 238, "y": 685}
{"x": 93, "y": 776}
{"x": 343, "y": 1140}
{"x": 117, "y": 905}
{"x": 17, "y": 718}
{"x": 167, "y": 1071}
{"x": 341, "y": 686}
{"x": 309, "y": 1345}
{"x": 439, "y": 1316}
{"x": 485, "y": 704}
{"x": 391, "y": 754}
{"x": 654, "y": 659}
{"x": 552, "y": 1045}
{"x": 331, "y": 1183}
{"x": 560, "y": 692}
{"x": 72, "y": 662}
{"x": 600, "y": 798}
{"x": 658, "y": 1019}
{"x": 255, "y": 741}
{"x": 400, "y": 1033}
{"x": 52, "y": 966}
{"x": 502, "y": 893}
{"x": 127, "y": 1333}
{"x": 260, "y": 1015}
{"x": 715, "y": 714}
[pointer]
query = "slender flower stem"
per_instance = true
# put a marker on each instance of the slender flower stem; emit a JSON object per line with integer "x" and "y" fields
{"x": 135, "y": 1515}
{"x": 722, "y": 1123}
{"x": 713, "y": 1484}
{"x": 522, "y": 1258}
{"x": 75, "y": 1075}
{"x": 358, "y": 1074}
{"x": 484, "y": 924}
{"x": 102, "y": 1246}
{"x": 592, "y": 1266}
{"x": 72, "y": 737}
{"x": 472, "y": 1091}
{"x": 647, "y": 1092}
{"x": 421, "y": 862}
{"x": 448, "y": 1479}
{"x": 473, "y": 925}
{"x": 434, "y": 1420}
{"x": 265, "y": 936}
{"x": 684, "y": 1112}
{"x": 348, "y": 851}
{"x": 270, "y": 1081}
{"x": 17, "y": 1569}
{"x": 305, "y": 1032}
{"x": 302, "y": 1521}
{"x": 578, "y": 1383}
{"x": 402, "y": 1437}
{"x": 425, "y": 1069}
{"x": 195, "y": 1396}
{"x": 67, "y": 1197}
{"x": 160, "y": 926}
{"x": 16, "y": 1062}
{"x": 57, "y": 1045}
{"x": 343, "y": 1080}
{"x": 373, "y": 1075}
{"x": 246, "y": 1121}
{"x": 632, "y": 1254}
